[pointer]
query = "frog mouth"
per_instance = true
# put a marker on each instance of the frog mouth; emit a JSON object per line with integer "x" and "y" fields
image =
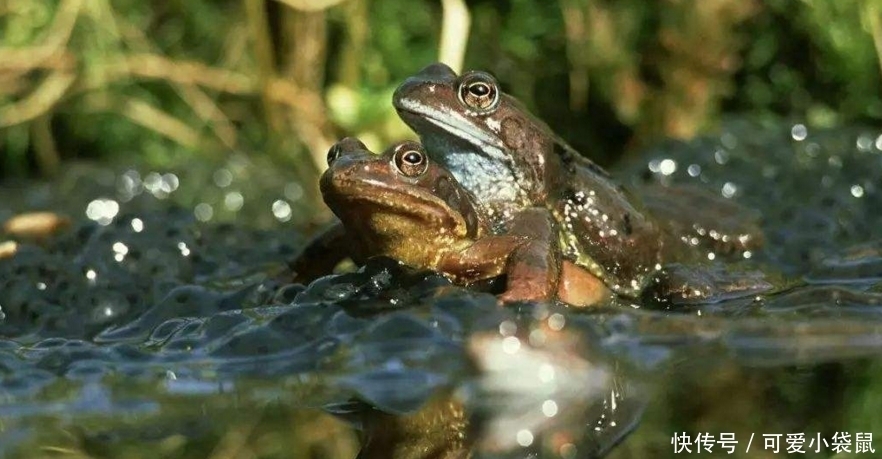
{"x": 368, "y": 196}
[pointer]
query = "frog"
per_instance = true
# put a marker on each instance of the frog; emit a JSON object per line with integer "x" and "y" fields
{"x": 512, "y": 162}
{"x": 400, "y": 204}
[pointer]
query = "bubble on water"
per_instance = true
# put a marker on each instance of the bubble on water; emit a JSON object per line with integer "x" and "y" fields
{"x": 857, "y": 191}
{"x": 667, "y": 166}
{"x": 537, "y": 337}
{"x": 170, "y": 182}
{"x": 524, "y": 437}
{"x": 203, "y": 212}
{"x": 729, "y": 189}
{"x": 834, "y": 161}
{"x": 119, "y": 251}
{"x": 185, "y": 251}
{"x": 864, "y": 143}
{"x": 729, "y": 140}
{"x": 153, "y": 184}
{"x": 282, "y": 210}
{"x": 721, "y": 157}
{"x": 813, "y": 149}
{"x": 799, "y": 132}
{"x": 102, "y": 211}
{"x": 293, "y": 191}
{"x": 508, "y": 328}
{"x": 694, "y": 170}
{"x": 161, "y": 185}
{"x": 546, "y": 373}
{"x": 769, "y": 171}
{"x": 233, "y": 201}
{"x": 549, "y": 408}
{"x": 556, "y": 321}
{"x": 129, "y": 185}
{"x": 568, "y": 451}
{"x": 137, "y": 225}
{"x": 222, "y": 178}
{"x": 511, "y": 345}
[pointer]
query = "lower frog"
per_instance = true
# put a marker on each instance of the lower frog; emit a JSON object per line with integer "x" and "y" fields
{"x": 399, "y": 204}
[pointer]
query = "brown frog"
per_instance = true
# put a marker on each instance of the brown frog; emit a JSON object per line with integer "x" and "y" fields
{"x": 513, "y": 162}
{"x": 401, "y": 205}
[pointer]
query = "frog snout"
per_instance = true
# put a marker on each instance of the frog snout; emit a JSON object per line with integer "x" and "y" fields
{"x": 437, "y": 73}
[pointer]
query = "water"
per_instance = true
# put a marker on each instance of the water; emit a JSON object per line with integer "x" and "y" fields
{"x": 161, "y": 323}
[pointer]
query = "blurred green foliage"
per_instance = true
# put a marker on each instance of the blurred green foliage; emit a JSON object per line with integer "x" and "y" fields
{"x": 178, "y": 80}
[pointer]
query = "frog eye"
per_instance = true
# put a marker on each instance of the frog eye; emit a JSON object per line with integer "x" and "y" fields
{"x": 411, "y": 162}
{"x": 479, "y": 91}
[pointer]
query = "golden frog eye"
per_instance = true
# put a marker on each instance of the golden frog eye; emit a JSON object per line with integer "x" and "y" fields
{"x": 410, "y": 161}
{"x": 479, "y": 91}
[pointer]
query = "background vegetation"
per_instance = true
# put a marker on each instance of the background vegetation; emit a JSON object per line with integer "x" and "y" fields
{"x": 183, "y": 80}
{"x": 173, "y": 81}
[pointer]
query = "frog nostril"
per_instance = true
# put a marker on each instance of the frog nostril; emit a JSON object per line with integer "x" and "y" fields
{"x": 438, "y": 69}
{"x": 348, "y": 145}
{"x": 333, "y": 154}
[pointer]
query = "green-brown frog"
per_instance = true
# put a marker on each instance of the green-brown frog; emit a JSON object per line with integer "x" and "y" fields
{"x": 513, "y": 162}
{"x": 401, "y": 205}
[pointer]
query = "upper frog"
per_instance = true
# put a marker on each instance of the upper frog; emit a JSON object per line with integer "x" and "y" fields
{"x": 401, "y": 205}
{"x": 510, "y": 160}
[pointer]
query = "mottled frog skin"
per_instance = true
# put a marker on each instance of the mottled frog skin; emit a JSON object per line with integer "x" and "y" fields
{"x": 401, "y": 205}
{"x": 511, "y": 161}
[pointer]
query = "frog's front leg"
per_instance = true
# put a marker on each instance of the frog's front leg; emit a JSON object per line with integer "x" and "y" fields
{"x": 482, "y": 259}
{"x": 533, "y": 269}
{"x": 319, "y": 257}
{"x": 525, "y": 253}
{"x": 529, "y": 275}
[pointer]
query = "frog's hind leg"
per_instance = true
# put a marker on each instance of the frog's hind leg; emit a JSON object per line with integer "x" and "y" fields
{"x": 680, "y": 284}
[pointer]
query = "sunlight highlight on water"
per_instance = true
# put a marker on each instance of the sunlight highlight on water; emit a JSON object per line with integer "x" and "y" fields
{"x": 102, "y": 211}
{"x": 799, "y": 132}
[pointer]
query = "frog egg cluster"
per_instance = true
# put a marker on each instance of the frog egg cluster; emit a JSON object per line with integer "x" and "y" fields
{"x": 817, "y": 189}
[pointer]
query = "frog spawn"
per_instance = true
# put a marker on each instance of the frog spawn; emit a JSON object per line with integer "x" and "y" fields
{"x": 802, "y": 185}
{"x": 200, "y": 324}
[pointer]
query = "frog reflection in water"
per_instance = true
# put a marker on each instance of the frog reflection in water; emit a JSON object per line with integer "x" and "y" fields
{"x": 512, "y": 162}
{"x": 399, "y": 204}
